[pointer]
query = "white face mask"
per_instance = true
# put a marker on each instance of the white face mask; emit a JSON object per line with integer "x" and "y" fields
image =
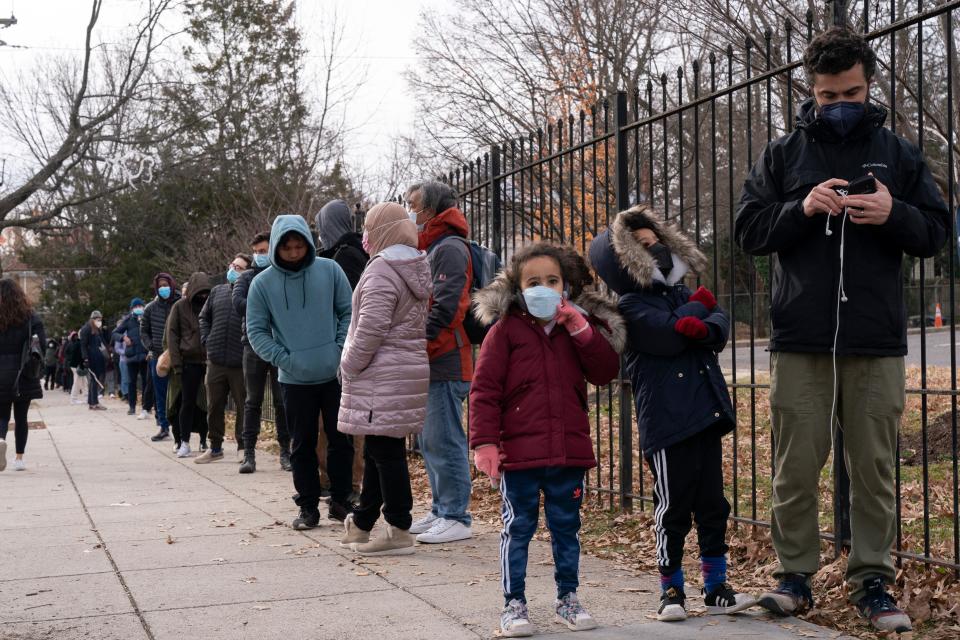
{"x": 98, "y": 323}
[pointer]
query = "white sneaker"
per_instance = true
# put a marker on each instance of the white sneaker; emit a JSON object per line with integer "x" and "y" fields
{"x": 143, "y": 415}
{"x": 423, "y": 524}
{"x": 445, "y": 530}
{"x": 184, "y": 450}
{"x": 3, "y": 455}
{"x": 19, "y": 465}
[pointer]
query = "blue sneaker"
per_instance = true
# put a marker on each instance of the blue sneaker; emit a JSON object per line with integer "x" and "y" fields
{"x": 791, "y": 597}
{"x": 879, "y": 608}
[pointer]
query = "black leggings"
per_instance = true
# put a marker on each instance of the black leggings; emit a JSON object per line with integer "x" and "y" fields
{"x": 20, "y": 408}
{"x": 136, "y": 370}
{"x": 386, "y": 484}
{"x": 190, "y": 382}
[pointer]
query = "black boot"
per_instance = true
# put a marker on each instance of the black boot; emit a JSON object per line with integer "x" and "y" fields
{"x": 285, "y": 460}
{"x": 249, "y": 464}
{"x": 162, "y": 435}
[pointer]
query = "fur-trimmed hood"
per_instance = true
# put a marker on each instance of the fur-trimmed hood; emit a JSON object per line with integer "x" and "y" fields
{"x": 625, "y": 264}
{"x": 496, "y": 299}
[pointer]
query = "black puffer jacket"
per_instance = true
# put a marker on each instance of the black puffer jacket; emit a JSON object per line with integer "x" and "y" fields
{"x": 154, "y": 320}
{"x": 240, "y": 290}
{"x": 11, "y": 354}
{"x": 678, "y": 386}
{"x": 221, "y": 328}
{"x": 806, "y": 275}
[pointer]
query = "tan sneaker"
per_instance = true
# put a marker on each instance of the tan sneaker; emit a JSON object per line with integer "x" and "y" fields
{"x": 208, "y": 456}
{"x": 393, "y": 542}
{"x": 352, "y": 533}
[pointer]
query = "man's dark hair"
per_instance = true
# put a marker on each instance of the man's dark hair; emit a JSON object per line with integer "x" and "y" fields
{"x": 836, "y": 50}
{"x": 263, "y": 236}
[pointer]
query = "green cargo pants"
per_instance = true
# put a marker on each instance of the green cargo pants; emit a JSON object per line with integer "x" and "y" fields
{"x": 870, "y": 401}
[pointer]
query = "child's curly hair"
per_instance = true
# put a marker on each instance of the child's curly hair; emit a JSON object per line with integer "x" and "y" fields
{"x": 576, "y": 274}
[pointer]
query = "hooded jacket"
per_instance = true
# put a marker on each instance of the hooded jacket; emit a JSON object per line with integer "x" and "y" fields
{"x": 93, "y": 345}
{"x": 183, "y": 325}
{"x": 340, "y": 242}
{"x": 678, "y": 386}
{"x": 129, "y": 327}
{"x": 806, "y": 263}
{"x": 529, "y": 391}
{"x": 11, "y": 359}
{"x": 154, "y": 320}
{"x": 298, "y": 320}
{"x": 241, "y": 289}
{"x": 449, "y": 349}
{"x": 385, "y": 370}
{"x": 221, "y": 328}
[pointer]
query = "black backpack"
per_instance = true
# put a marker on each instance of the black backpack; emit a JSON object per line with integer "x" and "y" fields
{"x": 486, "y": 265}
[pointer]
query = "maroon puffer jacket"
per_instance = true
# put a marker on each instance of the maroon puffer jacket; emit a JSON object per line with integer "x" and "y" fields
{"x": 529, "y": 396}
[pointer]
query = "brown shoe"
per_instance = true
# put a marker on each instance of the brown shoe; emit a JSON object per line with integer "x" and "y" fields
{"x": 352, "y": 533}
{"x": 391, "y": 542}
{"x": 208, "y": 456}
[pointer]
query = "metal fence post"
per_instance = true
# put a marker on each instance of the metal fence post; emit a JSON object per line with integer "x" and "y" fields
{"x": 622, "y": 182}
{"x": 496, "y": 205}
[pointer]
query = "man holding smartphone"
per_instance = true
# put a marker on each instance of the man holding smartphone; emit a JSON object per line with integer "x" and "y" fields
{"x": 838, "y": 316}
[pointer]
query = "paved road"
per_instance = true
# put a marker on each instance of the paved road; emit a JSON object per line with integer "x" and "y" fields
{"x": 109, "y": 536}
{"x": 938, "y": 352}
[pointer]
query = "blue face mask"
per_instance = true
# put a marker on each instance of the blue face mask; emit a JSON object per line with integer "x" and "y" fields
{"x": 164, "y": 292}
{"x": 232, "y": 275}
{"x": 542, "y": 301}
{"x": 138, "y": 311}
{"x": 261, "y": 260}
{"x": 843, "y": 117}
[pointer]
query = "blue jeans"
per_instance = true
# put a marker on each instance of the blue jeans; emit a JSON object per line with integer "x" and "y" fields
{"x": 562, "y": 489}
{"x": 159, "y": 395}
{"x": 124, "y": 378}
{"x": 443, "y": 444}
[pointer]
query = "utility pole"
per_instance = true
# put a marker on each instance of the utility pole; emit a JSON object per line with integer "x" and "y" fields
{"x": 837, "y": 12}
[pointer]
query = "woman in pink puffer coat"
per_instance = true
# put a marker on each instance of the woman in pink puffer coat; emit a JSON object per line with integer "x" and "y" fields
{"x": 386, "y": 376}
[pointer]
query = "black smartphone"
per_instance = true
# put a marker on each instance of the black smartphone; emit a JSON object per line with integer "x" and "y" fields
{"x": 861, "y": 185}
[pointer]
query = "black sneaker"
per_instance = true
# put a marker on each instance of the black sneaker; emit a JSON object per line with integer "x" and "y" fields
{"x": 308, "y": 519}
{"x": 723, "y": 599}
{"x": 791, "y": 597}
{"x": 339, "y": 511}
{"x": 285, "y": 461}
{"x": 672, "y": 605}
{"x": 203, "y": 446}
{"x": 162, "y": 435}
{"x": 879, "y": 608}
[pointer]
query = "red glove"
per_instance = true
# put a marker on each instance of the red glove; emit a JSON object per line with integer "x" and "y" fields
{"x": 704, "y": 297}
{"x": 691, "y": 327}
{"x": 487, "y": 460}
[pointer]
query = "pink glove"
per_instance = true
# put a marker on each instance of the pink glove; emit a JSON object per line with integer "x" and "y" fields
{"x": 487, "y": 460}
{"x": 574, "y": 322}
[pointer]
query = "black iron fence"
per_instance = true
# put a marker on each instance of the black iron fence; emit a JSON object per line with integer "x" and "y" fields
{"x": 685, "y": 144}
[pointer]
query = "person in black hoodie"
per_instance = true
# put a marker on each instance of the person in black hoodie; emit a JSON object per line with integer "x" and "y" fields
{"x": 342, "y": 244}
{"x": 153, "y": 323}
{"x": 683, "y": 407}
{"x": 256, "y": 371}
{"x": 838, "y": 316}
{"x": 94, "y": 351}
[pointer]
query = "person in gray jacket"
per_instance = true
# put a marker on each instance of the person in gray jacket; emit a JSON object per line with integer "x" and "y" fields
{"x": 221, "y": 330}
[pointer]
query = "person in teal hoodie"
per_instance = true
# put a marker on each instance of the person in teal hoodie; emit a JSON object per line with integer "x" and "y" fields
{"x": 298, "y": 313}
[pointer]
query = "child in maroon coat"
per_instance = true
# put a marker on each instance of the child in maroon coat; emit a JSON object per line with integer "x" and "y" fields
{"x": 528, "y": 412}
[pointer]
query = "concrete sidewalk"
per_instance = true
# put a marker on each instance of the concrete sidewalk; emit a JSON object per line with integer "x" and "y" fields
{"x": 108, "y": 535}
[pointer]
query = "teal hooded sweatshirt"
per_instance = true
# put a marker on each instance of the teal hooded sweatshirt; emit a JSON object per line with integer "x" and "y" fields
{"x": 298, "y": 320}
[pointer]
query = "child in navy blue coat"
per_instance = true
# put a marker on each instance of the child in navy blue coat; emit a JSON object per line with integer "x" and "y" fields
{"x": 683, "y": 406}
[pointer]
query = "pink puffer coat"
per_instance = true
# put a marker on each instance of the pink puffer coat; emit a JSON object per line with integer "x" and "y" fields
{"x": 384, "y": 366}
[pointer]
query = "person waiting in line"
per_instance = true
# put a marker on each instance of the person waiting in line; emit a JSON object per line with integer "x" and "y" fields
{"x": 220, "y": 332}
{"x": 257, "y": 372}
{"x": 153, "y": 324}
{"x": 187, "y": 354}
{"x": 529, "y": 426}
{"x": 683, "y": 406}
{"x": 94, "y": 352}
{"x": 298, "y": 313}
{"x": 18, "y": 326}
{"x": 134, "y": 354}
{"x": 386, "y": 376}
